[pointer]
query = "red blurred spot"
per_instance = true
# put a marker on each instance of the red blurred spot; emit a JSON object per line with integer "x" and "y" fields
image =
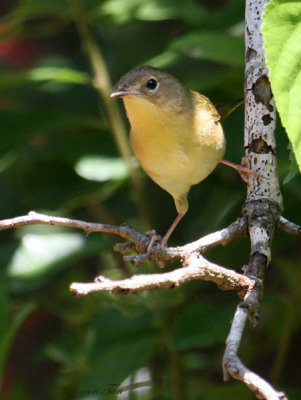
{"x": 19, "y": 53}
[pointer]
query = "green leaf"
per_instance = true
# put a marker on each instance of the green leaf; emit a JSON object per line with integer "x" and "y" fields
{"x": 11, "y": 331}
{"x": 101, "y": 168}
{"x": 66, "y": 75}
{"x": 29, "y": 8}
{"x": 152, "y": 10}
{"x": 282, "y": 42}
{"x": 39, "y": 252}
{"x": 21, "y": 127}
{"x": 9, "y": 79}
{"x": 293, "y": 167}
{"x": 116, "y": 335}
{"x": 40, "y": 256}
{"x": 212, "y": 46}
{"x": 201, "y": 325}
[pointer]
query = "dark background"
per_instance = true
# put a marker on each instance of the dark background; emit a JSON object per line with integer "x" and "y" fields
{"x": 58, "y": 155}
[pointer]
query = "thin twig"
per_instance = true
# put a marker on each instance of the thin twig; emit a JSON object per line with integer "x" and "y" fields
{"x": 233, "y": 365}
{"x": 34, "y": 218}
{"x": 288, "y": 226}
{"x": 236, "y": 229}
{"x": 231, "y": 362}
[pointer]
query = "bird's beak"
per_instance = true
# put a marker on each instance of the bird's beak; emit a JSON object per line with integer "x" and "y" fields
{"x": 121, "y": 92}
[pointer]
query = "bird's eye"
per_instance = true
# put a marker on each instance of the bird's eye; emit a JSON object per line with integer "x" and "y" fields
{"x": 151, "y": 84}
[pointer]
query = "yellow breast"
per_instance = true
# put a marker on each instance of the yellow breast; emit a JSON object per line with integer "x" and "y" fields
{"x": 175, "y": 149}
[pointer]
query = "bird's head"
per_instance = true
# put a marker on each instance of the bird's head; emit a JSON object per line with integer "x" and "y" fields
{"x": 155, "y": 86}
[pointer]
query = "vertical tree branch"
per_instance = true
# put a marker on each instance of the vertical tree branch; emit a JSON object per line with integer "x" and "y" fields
{"x": 264, "y": 201}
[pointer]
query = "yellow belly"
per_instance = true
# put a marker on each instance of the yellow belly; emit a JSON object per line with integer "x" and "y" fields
{"x": 172, "y": 148}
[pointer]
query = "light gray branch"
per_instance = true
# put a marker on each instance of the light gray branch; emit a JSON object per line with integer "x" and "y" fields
{"x": 139, "y": 242}
{"x": 195, "y": 267}
{"x": 233, "y": 365}
{"x": 288, "y": 226}
{"x": 263, "y": 205}
{"x": 222, "y": 237}
{"x": 34, "y": 218}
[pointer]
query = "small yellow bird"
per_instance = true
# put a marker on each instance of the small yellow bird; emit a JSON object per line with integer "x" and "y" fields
{"x": 175, "y": 134}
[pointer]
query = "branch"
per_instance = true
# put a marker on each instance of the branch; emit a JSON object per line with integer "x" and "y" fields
{"x": 139, "y": 242}
{"x": 236, "y": 229}
{"x": 264, "y": 201}
{"x": 34, "y": 218}
{"x": 232, "y": 364}
{"x": 288, "y": 226}
{"x": 196, "y": 267}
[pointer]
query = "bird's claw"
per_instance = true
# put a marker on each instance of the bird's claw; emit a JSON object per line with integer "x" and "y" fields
{"x": 244, "y": 171}
{"x": 153, "y": 239}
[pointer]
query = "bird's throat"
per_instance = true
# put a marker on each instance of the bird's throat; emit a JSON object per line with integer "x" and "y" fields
{"x": 148, "y": 120}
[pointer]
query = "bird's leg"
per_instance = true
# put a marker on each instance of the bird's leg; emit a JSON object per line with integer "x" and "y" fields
{"x": 171, "y": 229}
{"x": 158, "y": 238}
{"x": 241, "y": 168}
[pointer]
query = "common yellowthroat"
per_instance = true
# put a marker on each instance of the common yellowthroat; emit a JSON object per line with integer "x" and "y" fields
{"x": 175, "y": 133}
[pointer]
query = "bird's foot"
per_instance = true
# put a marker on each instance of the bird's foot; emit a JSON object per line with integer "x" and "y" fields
{"x": 245, "y": 171}
{"x": 241, "y": 169}
{"x": 153, "y": 239}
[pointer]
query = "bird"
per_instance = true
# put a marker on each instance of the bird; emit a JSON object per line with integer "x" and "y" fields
{"x": 176, "y": 133}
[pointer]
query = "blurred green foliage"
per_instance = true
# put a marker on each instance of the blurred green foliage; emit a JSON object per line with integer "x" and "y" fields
{"x": 58, "y": 155}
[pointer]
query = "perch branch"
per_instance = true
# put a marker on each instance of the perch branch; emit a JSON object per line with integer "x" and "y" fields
{"x": 196, "y": 267}
{"x": 236, "y": 229}
{"x": 139, "y": 242}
